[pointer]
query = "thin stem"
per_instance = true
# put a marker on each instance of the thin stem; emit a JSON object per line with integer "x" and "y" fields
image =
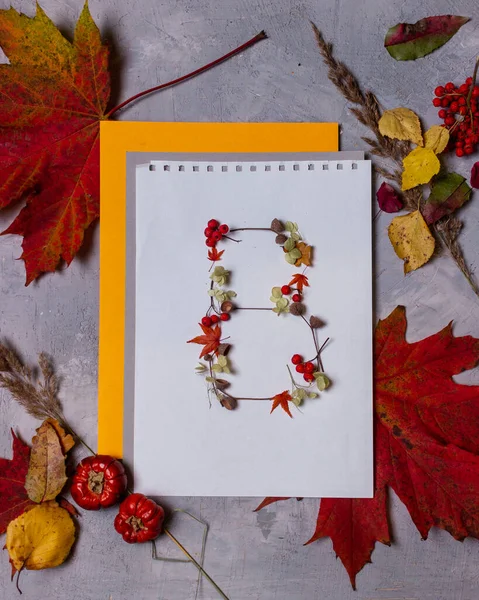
{"x": 197, "y": 565}
{"x": 249, "y": 308}
{"x": 474, "y": 76}
{"x": 251, "y": 229}
{"x": 319, "y": 363}
{"x": 260, "y": 36}
{"x": 231, "y": 239}
{"x": 75, "y": 435}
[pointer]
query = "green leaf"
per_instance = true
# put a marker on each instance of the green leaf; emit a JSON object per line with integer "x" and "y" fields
{"x": 295, "y": 236}
{"x": 282, "y": 303}
{"x": 298, "y": 396}
{"x": 226, "y": 370}
{"x": 216, "y": 368}
{"x": 200, "y": 368}
{"x": 231, "y": 294}
{"x": 408, "y": 41}
{"x": 321, "y": 381}
{"x": 222, "y": 361}
{"x": 312, "y": 395}
{"x": 276, "y": 293}
{"x": 448, "y": 193}
{"x": 292, "y": 257}
{"x": 209, "y": 379}
{"x": 289, "y": 244}
{"x": 291, "y": 227}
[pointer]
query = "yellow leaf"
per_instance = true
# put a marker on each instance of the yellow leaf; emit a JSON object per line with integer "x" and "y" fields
{"x": 305, "y": 258}
{"x": 66, "y": 440}
{"x": 401, "y": 124}
{"x": 436, "y": 138}
{"x": 411, "y": 239}
{"x": 46, "y": 473}
{"x": 40, "y": 538}
{"x": 420, "y": 165}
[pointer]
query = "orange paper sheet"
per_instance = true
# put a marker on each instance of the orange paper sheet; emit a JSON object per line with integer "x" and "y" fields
{"x": 118, "y": 138}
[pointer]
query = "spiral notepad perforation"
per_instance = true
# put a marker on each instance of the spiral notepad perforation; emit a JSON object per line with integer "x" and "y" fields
{"x": 326, "y": 449}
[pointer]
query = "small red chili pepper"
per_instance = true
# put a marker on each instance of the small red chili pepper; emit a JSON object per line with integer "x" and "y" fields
{"x": 139, "y": 519}
{"x": 99, "y": 482}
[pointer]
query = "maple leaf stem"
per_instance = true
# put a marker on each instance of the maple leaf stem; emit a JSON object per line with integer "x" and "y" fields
{"x": 260, "y": 36}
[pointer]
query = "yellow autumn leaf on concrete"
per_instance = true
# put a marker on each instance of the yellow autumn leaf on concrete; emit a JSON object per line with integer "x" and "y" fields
{"x": 420, "y": 165}
{"x": 401, "y": 124}
{"x": 40, "y": 538}
{"x": 436, "y": 138}
{"x": 411, "y": 239}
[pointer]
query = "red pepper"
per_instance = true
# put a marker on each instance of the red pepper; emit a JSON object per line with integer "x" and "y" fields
{"x": 99, "y": 482}
{"x": 139, "y": 519}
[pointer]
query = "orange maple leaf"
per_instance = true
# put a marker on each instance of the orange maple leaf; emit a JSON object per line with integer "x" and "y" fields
{"x": 305, "y": 258}
{"x": 282, "y": 400}
{"x": 210, "y": 339}
{"x": 214, "y": 255}
{"x": 300, "y": 281}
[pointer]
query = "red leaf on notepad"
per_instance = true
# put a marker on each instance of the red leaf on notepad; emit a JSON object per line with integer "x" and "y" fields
{"x": 13, "y": 495}
{"x": 210, "y": 340}
{"x": 53, "y": 95}
{"x": 426, "y": 444}
{"x": 283, "y": 401}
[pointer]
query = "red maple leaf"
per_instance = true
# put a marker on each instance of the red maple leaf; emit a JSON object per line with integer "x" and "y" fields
{"x": 53, "y": 95}
{"x": 426, "y": 444}
{"x": 13, "y": 496}
{"x": 210, "y": 339}
{"x": 214, "y": 255}
{"x": 282, "y": 400}
{"x": 300, "y": 281}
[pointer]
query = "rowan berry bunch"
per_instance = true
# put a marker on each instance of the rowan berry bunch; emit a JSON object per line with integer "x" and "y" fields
{"x": 459, "y": 109}
{"x": 305, "y": 368}
{"x": 214, "y": 232}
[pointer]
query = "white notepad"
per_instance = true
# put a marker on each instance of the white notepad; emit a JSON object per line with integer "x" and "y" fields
{"x": 186, "y": 444}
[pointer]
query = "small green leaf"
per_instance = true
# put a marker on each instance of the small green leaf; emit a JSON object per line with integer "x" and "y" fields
{"x": 226, "y": 370}
{"x": 295, "y": 236}
{"x": 321, "y": 381}
{"x": 276, "y": 293}
{"x": 209, "y": 379}
{"x": 291, "y": 227}
{"x": 200, "y": 368}
{"x": 298, "y": 396}
{"x": 289, "y": 244}
{"x": 222, "y": 361}
{"x": 216, "y": 368}
{"x": 231, "y": 294}
{"x": 292, "y": 257}
{"x": 282, "y": 303}
{"x": 312, "y": 395}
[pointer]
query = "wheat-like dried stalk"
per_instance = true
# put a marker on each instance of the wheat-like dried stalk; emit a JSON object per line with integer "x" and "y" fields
{"x": 368, "y": 113}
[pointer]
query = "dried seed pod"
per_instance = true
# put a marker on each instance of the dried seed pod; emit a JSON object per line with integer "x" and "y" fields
{"x": 281, "y": 239}
{"x": 228, "y": 402}
{"x": 315, "y": 322}
{"x": 297, "y": 309}
{"x": 277, "y": 226}
{"x": 208, "y": 357}
{"x": 222, "y": 384}
{"x": 224, "y": 349}
{"x": 227, "y": 306}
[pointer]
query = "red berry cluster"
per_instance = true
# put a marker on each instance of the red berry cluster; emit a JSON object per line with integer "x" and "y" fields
{"x": 286, "y": 291}
{"x": 305, "y": 368}
{"x": 459, "y": 110}
{"x": 214, "y": 232}
{"x": 208, "y": 321}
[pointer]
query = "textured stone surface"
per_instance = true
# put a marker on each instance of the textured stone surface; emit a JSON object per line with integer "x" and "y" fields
{"x": 254, "y": 556}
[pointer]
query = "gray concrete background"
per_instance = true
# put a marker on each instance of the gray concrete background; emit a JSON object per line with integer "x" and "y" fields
{"x": 251, "y": 556}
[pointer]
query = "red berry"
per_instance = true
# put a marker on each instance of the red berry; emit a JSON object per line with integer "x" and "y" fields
{"x": 454, "y": 106}
{"x": 439, "y": 91}
{"x": 224, "y": 229}
{"x": 214, "y": 319}
{"x": 206, "y": 321}
{"x": 309, "y": 367}
{"x": 463, "y": 89}
{"x": 459, "y": 152}
{"x": 449, "y": 87}
{"x": 296, "y": 298}
{"x": 475, "y": 91}
{"x": 213, "y": 223}
{"x": 286, "y": 290}
{"x": 210, "y": 242}
{"x": 459, "y": 144}
{"x": 462, "y": 101}
{"x": 449, "y": 120}
{"x": 445, "y": 102}
{"x": 296, "y": 359}
{"x": 225, "y": 316}
{"x": 300, "y": 368}
{"x": 209, "y": 232}
{"x": 217, "y": 236}
{"x": 309, "y": 377}
{"x": 463, "y": 110}
{"x": 436, "y": 101}
{"x": 468, "y": 149}
{"x": 442, "y": 114}
{"x": 469, "y": 81}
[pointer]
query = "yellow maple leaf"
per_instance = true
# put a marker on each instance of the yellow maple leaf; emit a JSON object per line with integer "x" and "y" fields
{"x": 411, "y": 239}
{"x": 436, "y": 138}
{"x": 305, "y": 258}
{"x": 420, "y": 165}
{"x": 401, "y": 124}
{"x": 40, "y": 538}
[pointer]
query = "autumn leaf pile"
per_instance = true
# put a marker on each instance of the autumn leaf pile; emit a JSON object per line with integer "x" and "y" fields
{"x": 53, "y": 95}
{"x": 38, "y": 522}
{"x": 426, "y": 445}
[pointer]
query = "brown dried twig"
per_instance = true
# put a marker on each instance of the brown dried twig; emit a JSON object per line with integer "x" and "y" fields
{"x": 367, "y": 111}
